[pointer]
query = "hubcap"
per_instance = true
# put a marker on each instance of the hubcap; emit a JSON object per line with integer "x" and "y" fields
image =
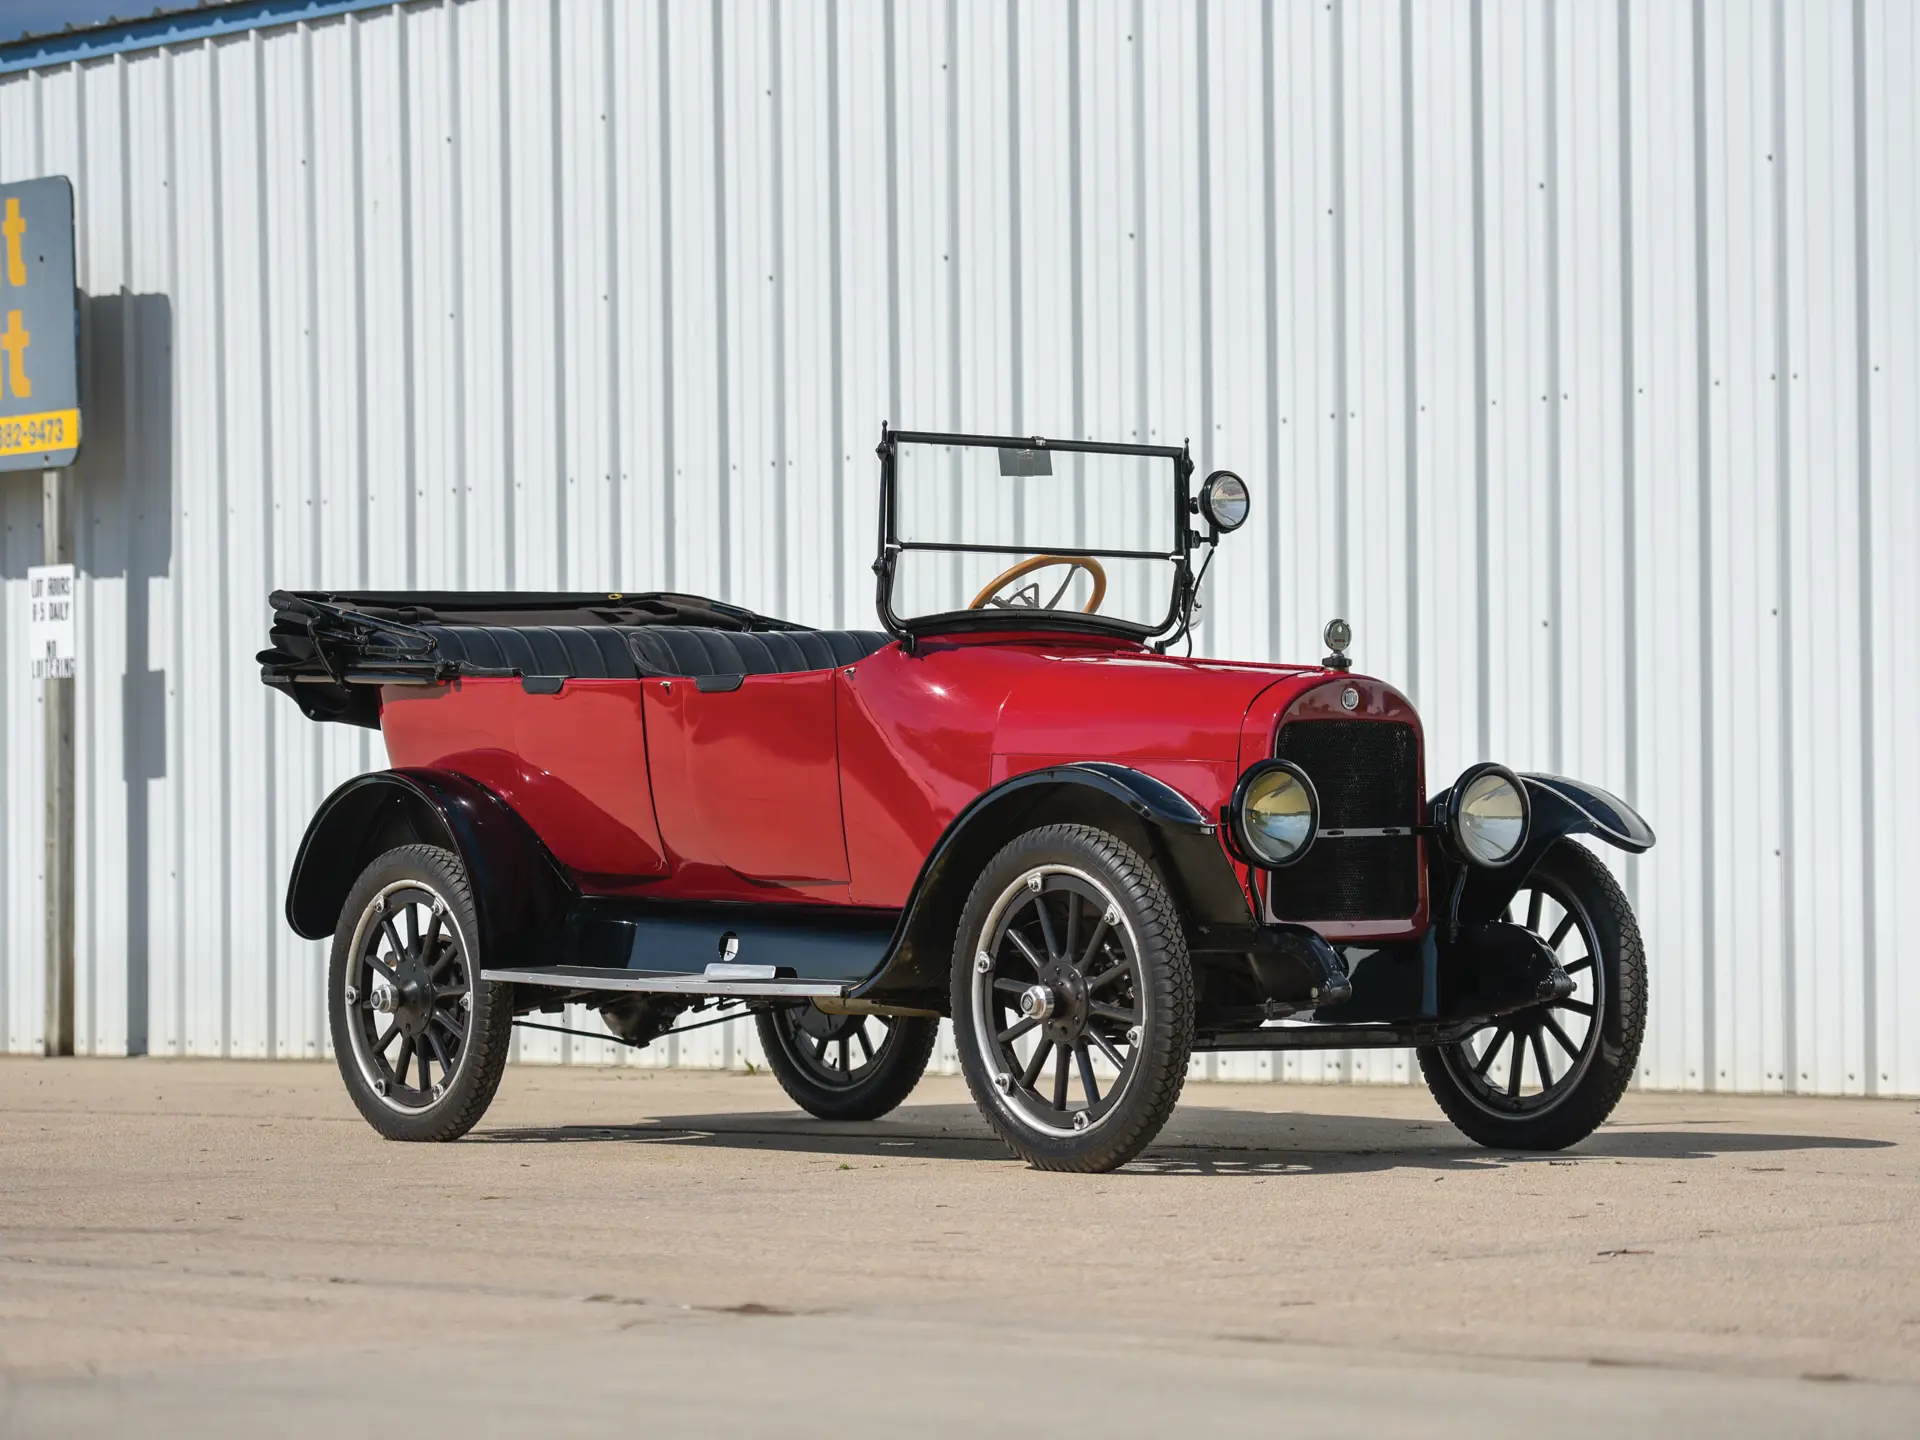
{"x": 408, "y": 996}
{"x": 1036, "y": 1002}
{"x": 1058, "y": 1007}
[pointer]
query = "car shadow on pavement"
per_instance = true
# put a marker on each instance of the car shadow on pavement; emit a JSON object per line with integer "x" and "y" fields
{"x": 1198, "y": 1140}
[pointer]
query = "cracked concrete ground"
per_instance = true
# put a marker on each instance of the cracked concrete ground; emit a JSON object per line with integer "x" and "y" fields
{"x": 214, "y": 1248}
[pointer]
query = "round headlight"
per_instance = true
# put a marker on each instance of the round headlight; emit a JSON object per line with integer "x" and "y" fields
{"x": 1225, "y": 501}
{"x": 1275, "y": 813}
{"x": 1489, "y": 814}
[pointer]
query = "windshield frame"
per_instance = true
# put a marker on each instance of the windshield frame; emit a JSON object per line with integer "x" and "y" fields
{"x": 1179, "y": 604}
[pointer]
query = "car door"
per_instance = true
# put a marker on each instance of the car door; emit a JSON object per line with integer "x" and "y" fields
{"x": 746, "y": 778}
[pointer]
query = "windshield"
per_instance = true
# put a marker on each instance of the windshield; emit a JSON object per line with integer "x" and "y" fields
{"x": 980, "y": 528}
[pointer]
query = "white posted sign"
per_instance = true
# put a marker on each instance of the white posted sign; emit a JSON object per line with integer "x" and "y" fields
{"x": 50, "y": 629}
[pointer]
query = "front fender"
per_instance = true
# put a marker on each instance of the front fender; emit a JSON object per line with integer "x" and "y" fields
{"x": 1560, "y": 807}
{"x": 518, "y": 889}
{"x": 1183, "y": 842}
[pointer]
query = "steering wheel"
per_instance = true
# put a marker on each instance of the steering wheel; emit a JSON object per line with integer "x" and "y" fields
{"x": 1027, "y": 597}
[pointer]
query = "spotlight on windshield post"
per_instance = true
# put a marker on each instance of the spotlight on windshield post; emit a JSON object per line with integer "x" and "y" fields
{"x": 1225, "y": 501}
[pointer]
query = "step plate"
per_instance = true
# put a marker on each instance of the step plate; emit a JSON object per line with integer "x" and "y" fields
{"x": 583, "y": 977}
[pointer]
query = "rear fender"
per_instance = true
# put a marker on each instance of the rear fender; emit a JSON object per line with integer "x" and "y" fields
{"x": 1559, "y": 807}
{"x": 1148, "y": 813}
{"x": 519, "y": 891}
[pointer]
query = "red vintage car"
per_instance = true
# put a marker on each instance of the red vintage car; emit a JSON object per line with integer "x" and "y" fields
{"x": 1013, "y": 805}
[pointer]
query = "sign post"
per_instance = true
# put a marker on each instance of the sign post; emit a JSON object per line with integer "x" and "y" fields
{"x": 50, "y": 643}
{"x": 40, "y": 430}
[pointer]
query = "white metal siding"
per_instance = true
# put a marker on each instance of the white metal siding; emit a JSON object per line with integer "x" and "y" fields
{"x": 1572, "y": 348}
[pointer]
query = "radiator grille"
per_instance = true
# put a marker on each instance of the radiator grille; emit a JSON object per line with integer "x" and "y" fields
{"x": 1367, "y": 775}
{"x": 1366, "y": 771}
{"x": 1372, "y": 877}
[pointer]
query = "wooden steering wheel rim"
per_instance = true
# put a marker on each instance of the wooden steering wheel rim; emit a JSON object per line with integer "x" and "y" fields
{"x": 1040, "y": 562}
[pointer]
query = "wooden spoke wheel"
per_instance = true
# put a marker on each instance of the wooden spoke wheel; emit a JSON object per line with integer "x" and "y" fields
{"x": 1073, "y": 999}
{"x": 846, "y": 1067}
{"x": 1545, "y": 1077}
{"x": 420, "y": 1040}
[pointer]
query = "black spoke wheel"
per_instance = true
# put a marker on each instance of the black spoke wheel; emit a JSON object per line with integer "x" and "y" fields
{"x": 846, "y": 1067}
{"x": 1545, "y": 1078}
{"x": 1073, "y": 999}
{"x": 420, "y": 1039}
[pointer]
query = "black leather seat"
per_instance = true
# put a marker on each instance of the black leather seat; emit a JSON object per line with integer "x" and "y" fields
{"x": 622, "y": 652}
{"x": 585, "y": 652}
{"x": 686, "y": 651}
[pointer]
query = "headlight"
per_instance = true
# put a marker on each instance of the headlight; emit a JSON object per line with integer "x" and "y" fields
{"x": 1274, "y": 813}
{"x": 1488, "y": 815}
{"x": 1224, "y": 500}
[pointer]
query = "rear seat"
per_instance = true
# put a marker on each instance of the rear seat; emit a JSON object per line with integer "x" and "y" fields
{"x": 585, "y": 652}
{"x": 622, "y": 652}
{"x": 686, "y": 651}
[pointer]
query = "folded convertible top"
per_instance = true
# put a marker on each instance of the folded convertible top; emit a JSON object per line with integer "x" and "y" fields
{"x": 332, "y": 650}
{"x": 511, "y": 607}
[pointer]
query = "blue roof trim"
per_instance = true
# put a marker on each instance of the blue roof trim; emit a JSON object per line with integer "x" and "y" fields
{"x": 98, "y": 41}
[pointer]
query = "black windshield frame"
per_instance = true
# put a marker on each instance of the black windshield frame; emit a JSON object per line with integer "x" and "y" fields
{"x": 1180, "y": 498}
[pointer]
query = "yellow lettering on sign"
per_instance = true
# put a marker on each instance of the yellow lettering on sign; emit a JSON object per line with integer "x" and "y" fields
{"x": 14, "y": 340}
{"x": 14, "y": 228}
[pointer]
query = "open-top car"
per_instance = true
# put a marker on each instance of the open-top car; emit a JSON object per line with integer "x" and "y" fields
{"x": 1011, "y": 805}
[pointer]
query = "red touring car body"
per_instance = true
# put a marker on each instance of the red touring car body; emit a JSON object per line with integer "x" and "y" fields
{"x": 660, "y": 804}
{"x": 656, "y": 786}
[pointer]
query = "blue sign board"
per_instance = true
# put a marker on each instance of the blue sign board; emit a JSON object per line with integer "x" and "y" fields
{"x": 39, "y": 333}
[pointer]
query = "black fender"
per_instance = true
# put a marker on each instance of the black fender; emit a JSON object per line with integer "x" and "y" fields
{"x": 520, "y": 893}
{"x": 1559, "y": 807}
{"x": 1181, "y": 841}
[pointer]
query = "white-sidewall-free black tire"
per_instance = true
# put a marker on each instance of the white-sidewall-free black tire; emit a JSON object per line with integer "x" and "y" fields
{"x": 482, "y": 1056}
{"x": 1610, "y": 1053}
{"x": 1150, "y": 1086}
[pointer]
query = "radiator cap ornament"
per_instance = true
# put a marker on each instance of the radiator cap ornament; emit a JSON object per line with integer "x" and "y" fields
{"x": 1338, "y": 635}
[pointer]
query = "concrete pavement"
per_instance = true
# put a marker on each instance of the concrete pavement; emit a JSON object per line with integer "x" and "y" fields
{"x": 215, "y": 1248}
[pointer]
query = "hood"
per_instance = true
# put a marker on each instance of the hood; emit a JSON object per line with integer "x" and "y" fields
{"x": 1129, "y": 705}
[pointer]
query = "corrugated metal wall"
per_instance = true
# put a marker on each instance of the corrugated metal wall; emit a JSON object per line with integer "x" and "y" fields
{"x": 1573, "y": 348}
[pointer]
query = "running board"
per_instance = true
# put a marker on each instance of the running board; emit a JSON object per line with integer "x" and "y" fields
{"x": 1324, "y": 1035}
{"x": 587, "y": 977}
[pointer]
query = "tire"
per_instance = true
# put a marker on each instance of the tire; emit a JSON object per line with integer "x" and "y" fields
{"x": 1070, "y": 947}
{"x": 405, "y": 970}
{"x": 1592, "y": 1037}
{"x": 846, "y": 1067}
